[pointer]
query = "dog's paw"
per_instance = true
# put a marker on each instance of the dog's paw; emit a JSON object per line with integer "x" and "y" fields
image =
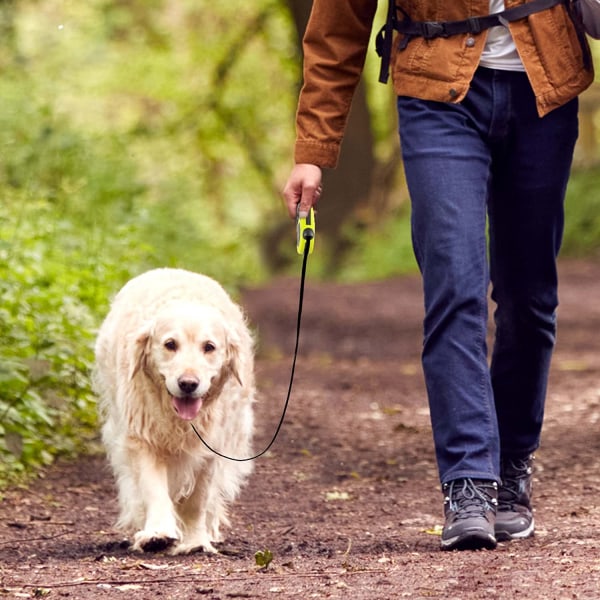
{"x": 193, "y": 546}
{"x": 152, "y": 541}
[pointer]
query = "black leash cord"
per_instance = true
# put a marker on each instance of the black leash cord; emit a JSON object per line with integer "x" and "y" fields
{"x": 289, "y": 393}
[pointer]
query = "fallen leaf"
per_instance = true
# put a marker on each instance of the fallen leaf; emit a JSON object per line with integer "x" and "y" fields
{"x": 263, "y": 558}
{"x": 435, "y": 530}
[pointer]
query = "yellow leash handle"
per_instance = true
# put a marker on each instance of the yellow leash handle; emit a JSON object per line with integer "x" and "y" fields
{"x": 305, "y": 231}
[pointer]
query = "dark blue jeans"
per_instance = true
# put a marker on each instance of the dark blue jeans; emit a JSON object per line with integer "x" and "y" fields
{"x": 487, "y": 180}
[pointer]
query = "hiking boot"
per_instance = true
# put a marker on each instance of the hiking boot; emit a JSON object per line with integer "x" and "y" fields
{"x": 470, "y": 510}
{"x": 514, "y": 519}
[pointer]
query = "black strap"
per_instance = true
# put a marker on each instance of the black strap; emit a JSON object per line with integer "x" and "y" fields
{"x": 433, "y": 29}
{"x": 383, "y": 42}
{"x": 293, "y": 370}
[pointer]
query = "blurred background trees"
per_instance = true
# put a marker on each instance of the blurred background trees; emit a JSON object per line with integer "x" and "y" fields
{"x": 144, "y": 133}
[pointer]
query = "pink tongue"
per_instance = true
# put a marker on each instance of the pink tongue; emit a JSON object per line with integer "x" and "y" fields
{"x": 187, "y": 408}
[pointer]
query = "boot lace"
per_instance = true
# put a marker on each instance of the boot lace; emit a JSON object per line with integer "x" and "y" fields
{"x": 467, "y": 498}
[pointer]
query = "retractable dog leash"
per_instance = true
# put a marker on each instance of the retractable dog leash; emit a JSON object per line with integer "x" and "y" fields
{"x": 305, "y": 242}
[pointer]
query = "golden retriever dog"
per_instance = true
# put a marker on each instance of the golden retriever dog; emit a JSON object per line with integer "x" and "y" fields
{"x": 175, "y": 350}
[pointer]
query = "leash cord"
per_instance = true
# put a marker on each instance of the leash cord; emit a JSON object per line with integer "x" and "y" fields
{"x": 293, "y": 369}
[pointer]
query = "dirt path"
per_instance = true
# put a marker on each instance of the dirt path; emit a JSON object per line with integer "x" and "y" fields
{"x": 348, "y": 500}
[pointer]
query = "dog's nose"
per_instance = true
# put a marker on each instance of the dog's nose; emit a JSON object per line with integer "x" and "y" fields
{"x": 188, "y": 384}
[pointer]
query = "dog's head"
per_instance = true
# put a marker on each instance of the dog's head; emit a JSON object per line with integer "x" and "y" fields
{"x": 192, "y": 349}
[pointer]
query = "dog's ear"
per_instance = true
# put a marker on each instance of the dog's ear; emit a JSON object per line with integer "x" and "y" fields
{"x": 141, "y": 350}
{"x": 233, "y": 354}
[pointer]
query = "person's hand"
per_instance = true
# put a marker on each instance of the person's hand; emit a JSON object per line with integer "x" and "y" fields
{"x": 303, "y": 189}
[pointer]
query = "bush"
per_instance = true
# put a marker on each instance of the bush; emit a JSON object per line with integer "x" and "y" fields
{"x": 52, "y": 293}
{"x": 59, "y": 263}
{"x": 582, "y": 218}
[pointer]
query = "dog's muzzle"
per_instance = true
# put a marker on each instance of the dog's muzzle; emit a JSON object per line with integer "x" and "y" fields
{"x": 187, "y": 403}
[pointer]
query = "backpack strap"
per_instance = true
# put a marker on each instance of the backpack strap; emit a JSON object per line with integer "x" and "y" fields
{"x": 383, "y": 42}
{"x": 434, "y": 29}
{"x": 574, "y": 10}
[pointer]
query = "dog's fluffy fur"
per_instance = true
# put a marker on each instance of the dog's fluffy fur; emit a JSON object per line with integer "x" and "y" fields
{"x": 175, "y": 349}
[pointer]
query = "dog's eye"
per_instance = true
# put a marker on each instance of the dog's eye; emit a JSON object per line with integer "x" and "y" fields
{"x": 209, "y": 347}
{"x": 171, "y": 345}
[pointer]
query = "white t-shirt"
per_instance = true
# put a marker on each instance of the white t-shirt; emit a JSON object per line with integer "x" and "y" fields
{"x": 500, "y": 51}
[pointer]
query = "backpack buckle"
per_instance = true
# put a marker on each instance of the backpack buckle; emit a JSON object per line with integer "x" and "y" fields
{"x": 433, "y": 29}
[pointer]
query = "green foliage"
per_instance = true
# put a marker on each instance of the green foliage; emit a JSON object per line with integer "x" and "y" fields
{"x": 61, "y": 191}
{"x": 582, "y": 218}
{"x": 381, "y": 253}
{"x": 51, "y": 293}
{"x": 167, "y": 85}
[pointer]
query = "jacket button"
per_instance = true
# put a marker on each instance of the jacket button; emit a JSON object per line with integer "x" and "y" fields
{"x": 470, "y": 42}
{"x": 453, "y": 93}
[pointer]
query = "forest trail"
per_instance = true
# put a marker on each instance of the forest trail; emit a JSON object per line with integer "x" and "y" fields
{"x": 347, "y": 502}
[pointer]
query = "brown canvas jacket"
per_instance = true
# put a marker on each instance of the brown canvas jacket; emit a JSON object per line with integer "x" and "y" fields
{"x": 337, "y": 39}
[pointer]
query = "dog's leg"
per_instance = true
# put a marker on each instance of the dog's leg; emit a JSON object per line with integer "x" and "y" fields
{"x": 160, "y": 528}
{"x": 193, "y": 512}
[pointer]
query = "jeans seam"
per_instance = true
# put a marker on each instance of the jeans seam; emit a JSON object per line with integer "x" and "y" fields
{"x": 485, "y": 382}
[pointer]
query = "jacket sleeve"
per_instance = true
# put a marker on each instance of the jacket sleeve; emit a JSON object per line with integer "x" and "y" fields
{"x": 335, "y": 46}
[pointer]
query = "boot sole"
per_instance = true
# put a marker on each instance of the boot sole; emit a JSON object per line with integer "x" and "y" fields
{"x": 470, "y": 540}
{"x": 507, "y": 536}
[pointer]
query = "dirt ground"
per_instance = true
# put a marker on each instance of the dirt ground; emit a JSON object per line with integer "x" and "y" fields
{"x": 347, "y": 502}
